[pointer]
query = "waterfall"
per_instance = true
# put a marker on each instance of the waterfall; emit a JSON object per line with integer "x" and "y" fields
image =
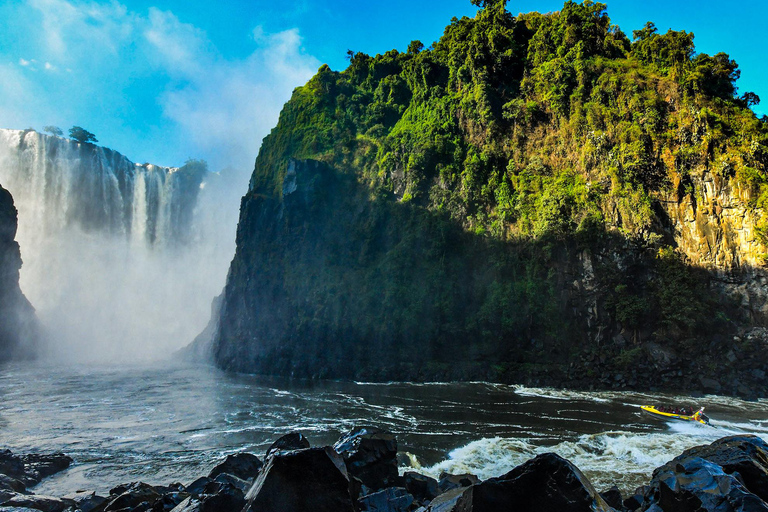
{"x": 114, "y": 258}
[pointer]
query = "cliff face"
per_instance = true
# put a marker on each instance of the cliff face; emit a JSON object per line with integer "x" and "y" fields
{"x": 19, "y": 330}
{"x": 532, "y": 199}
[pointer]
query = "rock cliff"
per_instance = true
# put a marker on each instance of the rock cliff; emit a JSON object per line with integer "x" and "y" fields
{"x": 533, "y": 199}
{"x": 19, "y": 329}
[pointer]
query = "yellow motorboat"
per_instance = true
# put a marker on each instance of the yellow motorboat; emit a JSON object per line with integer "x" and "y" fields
{"x": 677, "y": 413}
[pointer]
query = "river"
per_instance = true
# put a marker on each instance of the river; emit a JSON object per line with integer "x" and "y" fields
{"x": 164, "y": 423}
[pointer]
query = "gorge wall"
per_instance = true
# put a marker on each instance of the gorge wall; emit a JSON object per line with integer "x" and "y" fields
{"x": 117, "y": 262}
{"x": 532, "y": 199}
{"x": 19, "y": 329}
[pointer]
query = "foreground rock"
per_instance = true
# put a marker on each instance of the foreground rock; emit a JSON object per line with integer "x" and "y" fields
{"x": 729, "y": 475}
{"x": 309, "y": 479}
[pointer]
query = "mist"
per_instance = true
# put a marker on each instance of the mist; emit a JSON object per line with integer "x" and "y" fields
{"x": 121, "y": 261}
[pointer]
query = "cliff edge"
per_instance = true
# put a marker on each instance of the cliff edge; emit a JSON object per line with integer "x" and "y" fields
{"x": 19, "y": 328}
{"x": 533, "y": 199}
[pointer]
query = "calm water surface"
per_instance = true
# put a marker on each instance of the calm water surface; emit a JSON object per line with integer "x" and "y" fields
{"x": 162, "y": 424}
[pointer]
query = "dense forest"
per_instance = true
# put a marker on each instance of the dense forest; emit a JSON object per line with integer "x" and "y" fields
{"x": 504, "y": 201}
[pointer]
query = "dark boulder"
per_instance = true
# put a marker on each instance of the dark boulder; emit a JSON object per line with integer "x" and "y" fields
{"x": 243, "y": 465}
{"x": 86, "y": 501}
{"x": 745, "y": 454}
{"x": 613, "y": 498}
{"x": 132, "y": 495}
{"x": 547, "y": 482}
{"x": 393, "y": 499}
{"x": 458, "y": 499}
{"x": 634, "y": 501}
{"x": 198, "y": 485}
{"x": 8, "y": 483}
{"x": 31, "y": 469}
{"x": 694, "y": 484}
{"x": 288, "y": 442}
{"x": 370, "y": 454}
{"x": 422, "y": 487}
{"x": 313, "y": 479}
{"x": 448, "y": 481}
{"x": 38, "y": 502}
{"x": 226, "y": 478}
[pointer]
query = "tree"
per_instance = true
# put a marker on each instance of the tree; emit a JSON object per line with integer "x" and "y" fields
{"x": 53, "y": 130}
{"x": 82, "y": 135}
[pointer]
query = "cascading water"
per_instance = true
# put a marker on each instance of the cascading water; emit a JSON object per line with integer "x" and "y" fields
{"x": 116, "y": 259}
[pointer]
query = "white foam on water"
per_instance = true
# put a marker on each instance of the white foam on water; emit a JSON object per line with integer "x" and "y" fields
{"x": 623, "y": 458}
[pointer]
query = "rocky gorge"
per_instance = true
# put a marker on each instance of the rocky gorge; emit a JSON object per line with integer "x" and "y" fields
{"x": 359, "y": 473}
{"x": 463, "y": 212}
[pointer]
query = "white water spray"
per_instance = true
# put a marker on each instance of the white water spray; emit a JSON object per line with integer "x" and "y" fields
{"x": 119, "y": 260}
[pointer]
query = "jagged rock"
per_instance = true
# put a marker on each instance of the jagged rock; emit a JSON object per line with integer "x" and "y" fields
{"x": 38, "y": 502}
{"x": 8, "y": 483}
{"x": 313, "y": 479}
{"x": 169, "y": 501}
{"x": 458, "y": 499}
{"x": 745, "y": 455}
{"x": 370, "y": 455}
{"x": 694, "y": 484}
{"x": 547, "y": 482}
{"x": 226, "y": 478}
{"x": 422, "y": 487}
{"x": 86, "y": 501}
{"x": 634, "y": 501}
{"x": 131, "y": 496}
{"x": 291, "y": 441}
{"x": 393, "y": 499}
{"x": 243, "y": 465}
{"x": 613, "y": 498}
{"x": 448, "y": 481}
{"x": 198, "y": 485}
{"x": 31, "y": 469}
{"x": 37, "y": 466}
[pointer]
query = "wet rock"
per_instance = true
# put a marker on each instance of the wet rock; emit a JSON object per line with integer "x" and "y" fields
{"x": 458, "y": 499}
{"x": 8, "y": 483}
{"x": 547, "y": 482}
{"x": 393, "y": 499}
{"x": 243, "y": 465}
{"x": 694, "y": 484}
{"x": 313, "y": 479}
{"x": 613, "y": 498}
{"x": 131, "y": 496}
{"x": 422, "y": 487}
{"x": 38, "y": 502}
{"x": 634, "y": 501}
{"x": 31, "y": 469}
{"x": 86, "y": 501}
{"x": 169, "y": 501}
{"x": 292, "y": 441}
{"x": 198, "y": 485}
{"x": 448, "y": 481}
{"x": 370, "y": 455}
{"x": 745, "y": 455}
{"x": 226, "y": 478}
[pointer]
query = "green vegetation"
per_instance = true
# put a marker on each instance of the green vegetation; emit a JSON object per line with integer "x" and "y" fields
{"x": 53, "y": 130}
{"x": 82, "y": 135}
{"x": 539, "y": 138}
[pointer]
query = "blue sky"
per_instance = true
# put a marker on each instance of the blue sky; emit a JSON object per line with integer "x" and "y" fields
{"x": 162, "y": 81}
